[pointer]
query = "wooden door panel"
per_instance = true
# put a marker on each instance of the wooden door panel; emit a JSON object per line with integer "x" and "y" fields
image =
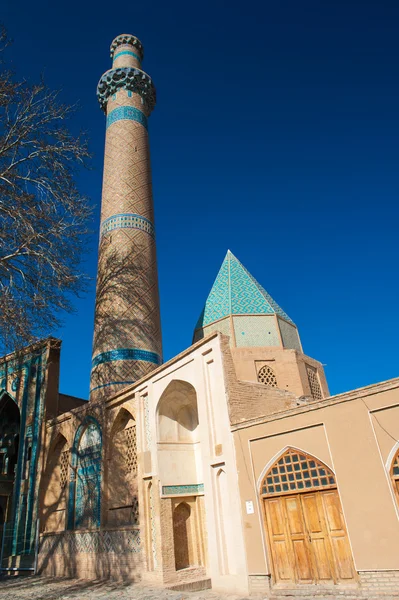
{"x": 332, "y": 511}
{"x": 343, "y": 558}
{"x": 342, "y": 554}
{"x": 294, "y": 514}
{"x": 276, "y": 517}
{"x": 312, "y": 514}
{"x": 283, "y": 569}
{"x": 278, "y": 539}
{"x": 303, "y": 566}
{"x": 322, "y": 560}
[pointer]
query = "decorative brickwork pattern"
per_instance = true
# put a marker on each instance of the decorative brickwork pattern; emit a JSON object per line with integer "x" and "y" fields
{"x": 314, "y": 383}
{"x": 267, "y": 376}
{"x": 72, "y": 543}
{"x": 64, "y": 468}
{"x": 297, "y": 472}
{"x": 131, "y": 449}
{"x": 127, "y": 338}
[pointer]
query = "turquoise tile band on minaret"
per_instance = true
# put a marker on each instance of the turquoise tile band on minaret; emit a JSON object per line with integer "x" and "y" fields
{"x": 127, "y": 113}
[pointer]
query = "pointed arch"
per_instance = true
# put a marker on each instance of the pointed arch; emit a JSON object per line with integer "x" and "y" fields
{"x": 54, "y": 486}
{"x": 177, "y": 413}
{"x": 267, "y": 376}
{"x": 296, "y": 471}
{"x": 84, "y": 503}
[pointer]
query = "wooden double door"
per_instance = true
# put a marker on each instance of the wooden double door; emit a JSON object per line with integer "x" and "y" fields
{"x": 308, "y": 539}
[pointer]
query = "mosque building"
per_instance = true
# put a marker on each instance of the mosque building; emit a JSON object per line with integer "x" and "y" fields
{"x": 228, "y": 466}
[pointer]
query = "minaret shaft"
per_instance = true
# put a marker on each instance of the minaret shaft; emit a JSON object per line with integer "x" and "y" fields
{"x": 127, "y": 337}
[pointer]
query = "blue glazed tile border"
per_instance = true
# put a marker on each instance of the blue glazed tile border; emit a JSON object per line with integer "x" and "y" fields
{"x": 127, "y": 113}
{"x": 129, "y": 52}
{"x": 127, "y": 221}
{"x": 112, "y": 383}
{"x": 126, "y": 354}
{"x": 182, "y": 490}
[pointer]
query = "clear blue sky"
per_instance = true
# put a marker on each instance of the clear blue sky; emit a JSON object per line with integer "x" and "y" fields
{"x": 275, "y": 135}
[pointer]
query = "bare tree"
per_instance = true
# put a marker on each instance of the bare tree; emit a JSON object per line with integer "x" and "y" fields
{"x": 43, "y": 217}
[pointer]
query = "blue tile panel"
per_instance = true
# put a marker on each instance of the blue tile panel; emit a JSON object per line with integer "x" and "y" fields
{"x": 129, "y": 52}
{"x": 236, "y": 292}
{"x": 127, "y": 113}
{"x": 127, "y": 221}
{"x": 126, "y": 354}
{"x": 112, "y": 383}
{"x": 182, "y": 490}
{"x": 84, "y": 501}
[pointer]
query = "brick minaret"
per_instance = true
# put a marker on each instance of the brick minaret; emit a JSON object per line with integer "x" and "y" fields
{"x": 127, "y": 334}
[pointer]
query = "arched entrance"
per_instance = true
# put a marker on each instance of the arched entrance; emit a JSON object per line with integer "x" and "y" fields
{"x": 305, "y": 527}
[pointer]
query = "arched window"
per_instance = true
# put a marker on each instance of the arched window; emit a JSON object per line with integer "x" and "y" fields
{"x": 395, "y": 473}
{"x": 85, "y": 487}
{"x": 295, "y": 472}
{"x": 55, "y": 485}
{"x": 267, "y": 376}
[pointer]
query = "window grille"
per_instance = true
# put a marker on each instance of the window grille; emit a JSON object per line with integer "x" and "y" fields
{"x": 64, "y": 468}
{"x": 267, "y": 376}
{"x": 297, "y": 472}
{"x": 131, "y": 449}
{"x": 314, "y": 383}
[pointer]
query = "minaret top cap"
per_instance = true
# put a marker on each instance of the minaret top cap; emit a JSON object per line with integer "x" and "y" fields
{"x": 126, "y": 38}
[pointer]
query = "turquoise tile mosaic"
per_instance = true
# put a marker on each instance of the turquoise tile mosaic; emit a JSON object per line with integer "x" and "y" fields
{"x": 127, "y": 113}
{"x": 236, "y": 292}
{"x": 127, "y": 221}
{"x": 182, "y": 490}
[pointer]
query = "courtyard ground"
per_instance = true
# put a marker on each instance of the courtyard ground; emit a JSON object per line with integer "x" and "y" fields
{"x": 41, "y": 588}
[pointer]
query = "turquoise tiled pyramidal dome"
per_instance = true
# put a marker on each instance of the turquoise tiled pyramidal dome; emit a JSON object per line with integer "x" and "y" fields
{"x": 236, "y": 292}
{"x": 238, "y": 306}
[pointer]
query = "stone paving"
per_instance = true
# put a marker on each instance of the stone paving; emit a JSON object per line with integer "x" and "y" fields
{"x": 40, "y": 588}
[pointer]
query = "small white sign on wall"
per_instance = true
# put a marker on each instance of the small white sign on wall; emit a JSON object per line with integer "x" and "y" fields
{"x": 249, "y": 505}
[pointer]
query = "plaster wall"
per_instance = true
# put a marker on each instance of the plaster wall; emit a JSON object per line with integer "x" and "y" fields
{"x": 339, "y": 432}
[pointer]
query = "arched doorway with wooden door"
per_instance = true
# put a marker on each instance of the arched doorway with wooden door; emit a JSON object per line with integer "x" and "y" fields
{"x": 305, "y": 527}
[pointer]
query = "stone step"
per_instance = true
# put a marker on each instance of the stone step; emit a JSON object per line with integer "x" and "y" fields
{"x": 191, "y": 586}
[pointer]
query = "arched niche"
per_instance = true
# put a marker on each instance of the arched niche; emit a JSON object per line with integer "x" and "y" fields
{"x": 9, "y": 450}
{"x": 178, "y": 413}
{"x": 55, "y": 486}
{"x": 122, "y": 471}
{"x": 84, "y": 503}
{"x": 179, "y": 448}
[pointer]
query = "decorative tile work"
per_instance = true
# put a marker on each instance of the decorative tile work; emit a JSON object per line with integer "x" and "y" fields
{"x": 126, "y": 39}
{"x": 289, "y": 335}
{"x": 147, "y": 422}
{"x": 153, "y": 529}
{"x": 129, "y": 52}
{"x": 98, "y": 387}
{"x": 126, "y": 78}
{"x": 182, "y": 490}
{"x": 256, "y": 331}
{"x": 64, "y": 468}
{"x": 126, "y": 354}
{"x": 88, "y": 542}
{"x": 127, "y": 113}
{"x": 84, "y": 501}
{"x": 236, "y": 292}
{"x": 127, "y": 221}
